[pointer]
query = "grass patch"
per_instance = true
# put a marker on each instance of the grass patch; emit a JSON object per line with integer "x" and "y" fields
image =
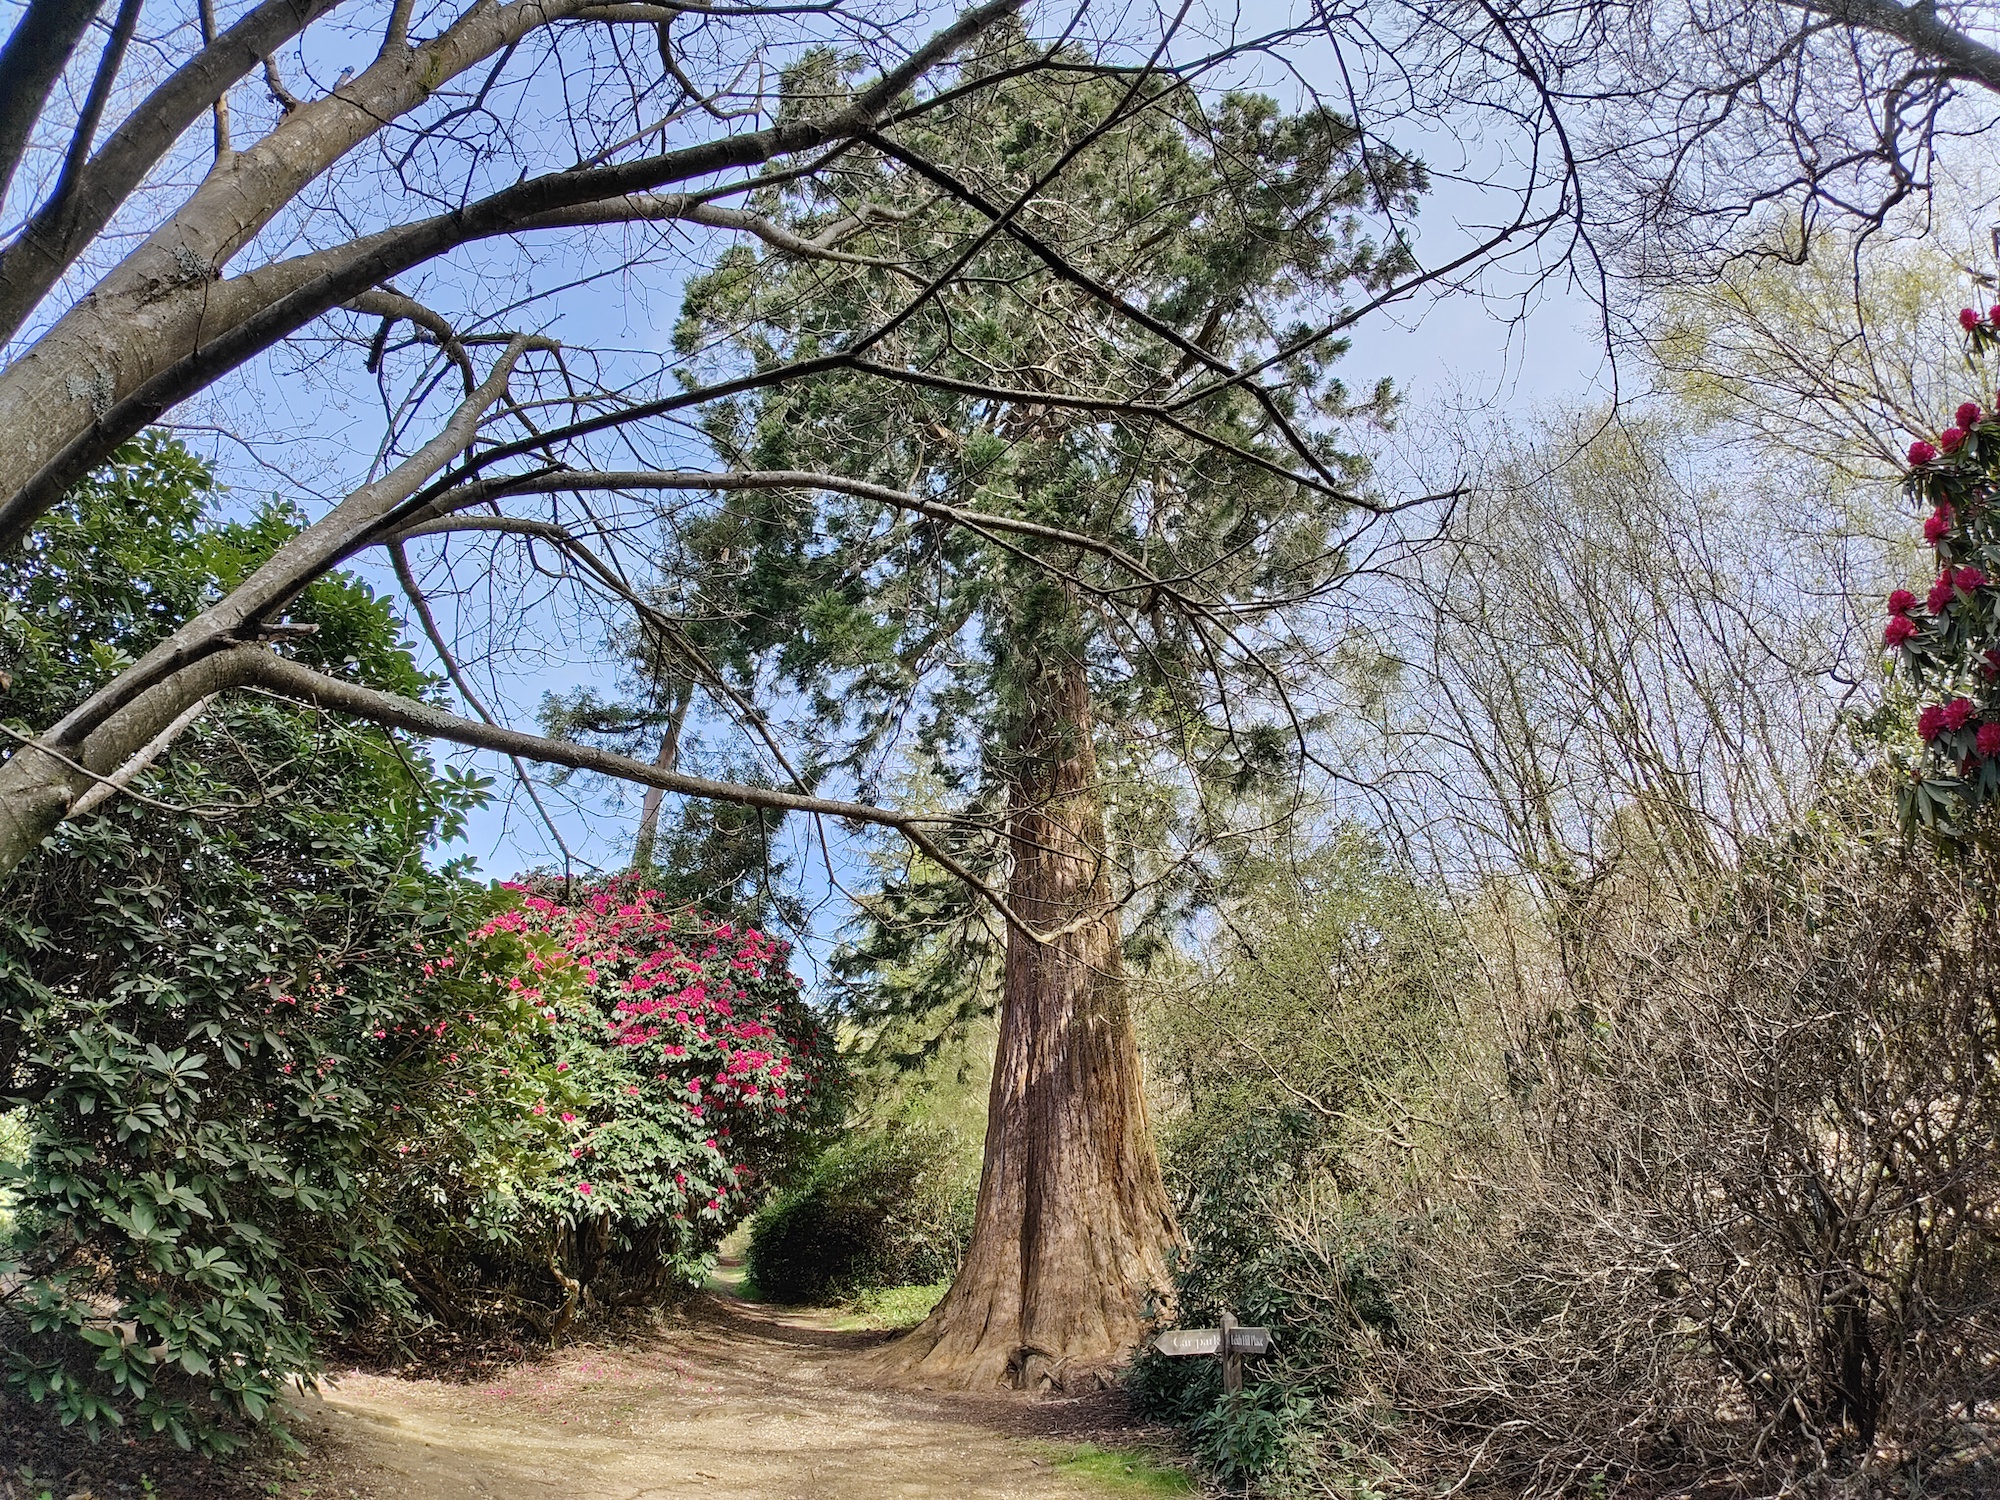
{"x": 1122, "y": 1471}
{"x": 891, "y": 1308}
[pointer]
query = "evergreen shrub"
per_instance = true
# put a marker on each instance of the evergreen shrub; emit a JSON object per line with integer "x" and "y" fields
{"x": 195, "y": 987}
{"x": 882, "y": 1208}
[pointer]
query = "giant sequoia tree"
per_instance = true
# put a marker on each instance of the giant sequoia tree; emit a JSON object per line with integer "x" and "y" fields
{"x": 1156, "y": 271}
{"x": 1049, "y": 609}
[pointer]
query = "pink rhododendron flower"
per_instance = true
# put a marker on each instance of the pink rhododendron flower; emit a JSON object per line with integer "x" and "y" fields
{"x": 625, "y": 968}
{"x": 1921, "y": 452}
{"x": 1940, "y": 594}
{"x": 1930, "y": 723}
{"x": 1901, "y": 602}
{"x": 1951, "y": 439}
{"x": 1901, "y": 628}
{"x": 1957, "y": 714}
{"x": 1967, "y": 415}
{"x": 584, "y": 1188}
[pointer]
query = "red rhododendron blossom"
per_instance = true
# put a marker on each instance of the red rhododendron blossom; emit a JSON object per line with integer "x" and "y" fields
{"x": 1940, "y": 595}
{"x": 584, "y": 1188}
{"x": 1930, "y": 723}
{"x": 1993, "y": 315}
{"x": 1922, "y": 452}
{"x": 1901, "y": 602}
{"x": 1937, "y": 525}
{"x": 1968, "y": 578}
{"x": 1987, "y": 741}
{"x": 1951, "y": 439}
{"x": 668, "y": 1029}
{"x": 1967, "y": 319}
{"x": 1967, "y": 415}
{"x": 1901, "y": 628}
{"x": 1957, "y": 714}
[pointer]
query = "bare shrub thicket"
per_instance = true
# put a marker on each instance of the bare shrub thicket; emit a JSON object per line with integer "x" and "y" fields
{"x": 1738, "y": 1228}
{"x": 1712, "y": 1211}
{"x": 1787, "y": 1120}
{"x": 1742, "y": 1228}
{"x": 1669, "y": 1158}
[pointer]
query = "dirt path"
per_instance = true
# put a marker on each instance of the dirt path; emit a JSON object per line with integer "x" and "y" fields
{"x": 741, "y": 1402}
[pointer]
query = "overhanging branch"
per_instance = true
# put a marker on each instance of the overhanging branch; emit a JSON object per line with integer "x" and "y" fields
{"x": 253, "y": 666}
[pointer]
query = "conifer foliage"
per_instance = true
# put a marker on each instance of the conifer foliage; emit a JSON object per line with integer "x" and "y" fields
{"x": 1074, "y": 618}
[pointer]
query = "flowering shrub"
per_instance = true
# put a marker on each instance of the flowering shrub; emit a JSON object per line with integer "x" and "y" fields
{"x": 1949, "y": 641}
{"x": 680, "y": 1066}
{"x": 268, "y": 1078}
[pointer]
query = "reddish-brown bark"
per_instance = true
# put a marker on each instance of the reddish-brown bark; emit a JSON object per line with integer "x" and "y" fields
{"x": 1070, "y": 1240}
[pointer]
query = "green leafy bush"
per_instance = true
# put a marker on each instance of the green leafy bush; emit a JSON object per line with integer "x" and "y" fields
{"x": 1313, "y": 1067}
{"x": 1268, "y": 1239}
{"x": 277, "y": 1079}
{"x": 881, "y": 1208}
{"x": 13, "y": 1152}
{"x": 219, "y": 1016}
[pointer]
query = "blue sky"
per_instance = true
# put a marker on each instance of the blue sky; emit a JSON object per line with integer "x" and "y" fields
{"x": 304, "y": 424}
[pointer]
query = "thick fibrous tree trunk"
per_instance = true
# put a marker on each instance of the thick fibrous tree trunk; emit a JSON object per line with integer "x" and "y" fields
{"x": 1070, "y": 1241}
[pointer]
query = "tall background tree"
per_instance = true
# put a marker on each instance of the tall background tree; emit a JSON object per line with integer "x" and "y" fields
{"x": 1078, "y": 625}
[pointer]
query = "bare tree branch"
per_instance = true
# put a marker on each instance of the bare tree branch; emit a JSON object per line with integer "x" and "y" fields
{"x": 36, "y": 53}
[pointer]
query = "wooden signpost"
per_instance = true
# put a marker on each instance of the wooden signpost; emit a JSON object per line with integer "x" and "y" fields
{"x": 1232, "y": 1341}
